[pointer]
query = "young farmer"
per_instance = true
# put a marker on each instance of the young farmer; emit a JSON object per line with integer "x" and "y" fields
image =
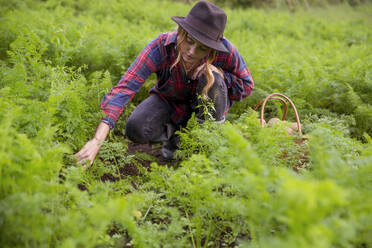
{"x": 194, "y": 60}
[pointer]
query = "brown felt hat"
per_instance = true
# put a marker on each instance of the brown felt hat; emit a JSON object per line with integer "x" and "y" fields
{"x": 205, "y": 23}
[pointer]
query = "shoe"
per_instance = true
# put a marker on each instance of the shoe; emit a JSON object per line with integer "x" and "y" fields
{"x": 167, "y": 153}
{"x": 169, "y": 147}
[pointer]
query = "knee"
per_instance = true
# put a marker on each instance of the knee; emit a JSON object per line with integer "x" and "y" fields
{"x": 218, "y": 85}
{"x": 219, "y": 82}
{"x": 219, "y": 88}
{"x": 135, "y": 130}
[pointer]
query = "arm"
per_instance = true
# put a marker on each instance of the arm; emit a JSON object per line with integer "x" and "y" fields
{"x": 148, "y": 61}
{"x": 237, "y": 76}
{"x": 233, "y": 69}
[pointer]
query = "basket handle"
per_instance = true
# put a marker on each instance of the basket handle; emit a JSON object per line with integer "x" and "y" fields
{"x": 276, "y": 98}
{"x": 279, "y": 96}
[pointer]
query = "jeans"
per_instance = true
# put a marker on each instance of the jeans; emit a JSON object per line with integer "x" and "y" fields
{"x": 150, "y": 122}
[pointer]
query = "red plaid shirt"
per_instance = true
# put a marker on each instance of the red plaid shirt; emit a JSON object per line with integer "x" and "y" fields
{"x": 173, "y": 85}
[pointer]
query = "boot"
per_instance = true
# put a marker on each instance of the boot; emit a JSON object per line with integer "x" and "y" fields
{"x": 169, "y": 147}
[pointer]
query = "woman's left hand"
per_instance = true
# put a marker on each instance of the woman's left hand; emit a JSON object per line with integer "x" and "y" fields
{"x": 201, "y": 69}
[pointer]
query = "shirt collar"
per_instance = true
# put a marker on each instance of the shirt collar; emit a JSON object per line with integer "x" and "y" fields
{"x": 171, "y": 39}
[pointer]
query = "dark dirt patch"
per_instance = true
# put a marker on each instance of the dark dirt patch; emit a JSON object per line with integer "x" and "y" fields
{"x": 152, "y": 154}
{"x": 153, "y": 150}
{"x": 109, "y": 177}
{"x": 129, "y": 170}
{"x": 82, "y": 187}
{"x": 125, "y": 239}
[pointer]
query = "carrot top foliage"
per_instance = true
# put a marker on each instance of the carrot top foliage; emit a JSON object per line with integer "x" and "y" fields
{"x": 234, "y": 183}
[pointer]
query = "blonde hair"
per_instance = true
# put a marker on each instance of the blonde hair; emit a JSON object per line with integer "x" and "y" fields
{"x": 181, "y": 37}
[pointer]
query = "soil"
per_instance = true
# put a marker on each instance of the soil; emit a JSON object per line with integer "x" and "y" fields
{"x": 125, "y": 241}
{"x": 137, "y": 149}
{"x": 154, "y": 151}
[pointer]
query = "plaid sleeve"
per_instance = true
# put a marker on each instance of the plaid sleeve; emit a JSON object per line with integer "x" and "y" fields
{"x": 148, "y": 61}
{"x": 239, "y": 79}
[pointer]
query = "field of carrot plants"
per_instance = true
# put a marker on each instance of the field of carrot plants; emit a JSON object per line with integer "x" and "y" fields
{"x": 232, "y": 185}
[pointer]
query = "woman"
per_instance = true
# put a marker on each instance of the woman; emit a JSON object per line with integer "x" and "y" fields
{"x": 195, "y": 60}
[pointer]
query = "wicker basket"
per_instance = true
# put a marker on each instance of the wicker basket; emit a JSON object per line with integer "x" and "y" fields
{"x": 283, "y": 99}
{"x": 300, "y": 140}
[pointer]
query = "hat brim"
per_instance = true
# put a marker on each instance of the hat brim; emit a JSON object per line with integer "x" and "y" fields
{"x": 202, "y": 38}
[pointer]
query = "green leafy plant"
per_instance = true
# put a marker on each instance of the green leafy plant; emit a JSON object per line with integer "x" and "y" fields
{"x": 233, "y": 184}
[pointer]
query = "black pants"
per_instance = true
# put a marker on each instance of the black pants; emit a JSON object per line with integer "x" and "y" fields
{"x": 150, "y": 122}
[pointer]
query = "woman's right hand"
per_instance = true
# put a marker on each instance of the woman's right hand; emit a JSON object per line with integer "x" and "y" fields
{"x": 91, "y": 148}
{"x": 89, "y": 151}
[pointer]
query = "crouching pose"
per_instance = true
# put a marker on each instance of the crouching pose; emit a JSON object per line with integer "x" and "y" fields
{"x": 193, "y": 63}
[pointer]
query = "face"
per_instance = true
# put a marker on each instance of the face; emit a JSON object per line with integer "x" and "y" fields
{"x": 193, "y": 51}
